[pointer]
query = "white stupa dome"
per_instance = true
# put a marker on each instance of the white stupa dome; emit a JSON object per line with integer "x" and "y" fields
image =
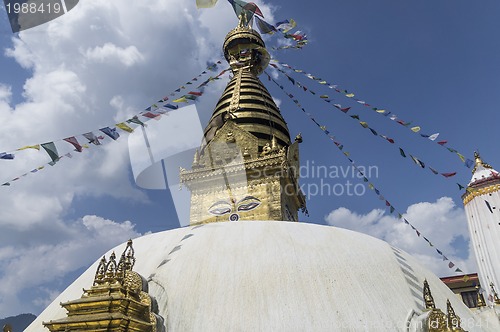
{"x": 277, "y": 276}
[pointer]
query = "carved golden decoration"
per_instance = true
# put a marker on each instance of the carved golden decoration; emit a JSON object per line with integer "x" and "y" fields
{"x": 116, "y": 301}
{"x": 428, "y": 299}
{"x": 453, "y": 319}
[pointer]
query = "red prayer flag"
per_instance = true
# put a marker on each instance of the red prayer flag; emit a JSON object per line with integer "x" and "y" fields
{"x": 449, "y": 175}
{"x": 442, "y": 142}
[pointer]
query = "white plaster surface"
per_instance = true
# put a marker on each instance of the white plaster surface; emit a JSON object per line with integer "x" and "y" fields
{"x": 278, "y": 276}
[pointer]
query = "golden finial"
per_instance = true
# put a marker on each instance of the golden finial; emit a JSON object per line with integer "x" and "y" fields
{"x": 453, "y": 319}
{"x": 101, "y": 272}
{"x": 111, "y": 268}
{"x": 480, "y": 302}
{"x": 428, "y": 299}
{"x": 298, "y": 138}
{"x": 495, "y": 294}
{"x": 479, "y": 162}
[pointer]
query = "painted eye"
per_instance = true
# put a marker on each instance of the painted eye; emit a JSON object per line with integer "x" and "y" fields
{"x": 248, "y": 207}
{"x": 220, "y": 211}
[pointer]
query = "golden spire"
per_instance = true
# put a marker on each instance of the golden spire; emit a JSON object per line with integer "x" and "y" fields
{"x": 479, "y": 162}
{"x": 245, "y": 166}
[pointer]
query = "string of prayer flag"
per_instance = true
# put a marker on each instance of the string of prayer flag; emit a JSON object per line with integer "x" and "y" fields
{"x": 155, "y": 111}
{"x": 371, "y": 186}
{"x": 363, "y": 124}
{"x": 416, "y": 129}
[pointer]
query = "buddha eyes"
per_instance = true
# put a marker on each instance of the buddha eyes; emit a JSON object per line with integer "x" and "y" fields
{"x": 248, "y": 207}
{"x": 220, "y": 211}
{"x": 220, "y": 208}
{"x": 245, "y": 204}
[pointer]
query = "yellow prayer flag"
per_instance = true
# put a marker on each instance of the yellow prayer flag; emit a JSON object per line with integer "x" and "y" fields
{"x": 36, "y": 147}
{"x": 350, "y": 95}
{"x": 205, "y": 3}
{"x": 415, "y": 129}
{"x": 125, "y": 127}
{"x": 323, "y": 82}
{"x": 363, "y": 124}
{"x": 462, "y": 158}
{"x": 381, "y": 111}
{"x": 181, "y": 100}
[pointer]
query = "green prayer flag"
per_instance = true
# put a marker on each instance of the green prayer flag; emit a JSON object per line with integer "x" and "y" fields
{"x": 402, "y": 153}
{"x": 51, "y": 151}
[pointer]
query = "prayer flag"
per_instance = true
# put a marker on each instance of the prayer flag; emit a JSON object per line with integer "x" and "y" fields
{"x": 36, "y": 147}
{"x": 111, "y": 132}
{"x": 449, "y": 175}
{"x": 136, "y": 120}
{"x": 174, "y": 107}
{"x": 433, "y": 137}
{"x": 469, "y": 163}
{"x": 417, "y": 161}
{"x": 92, "y": 138}
{"x": 205, "y": 3}
{"x": 181, "y": 100}
{"x": 265, "y": 27}
{"x": 125, "y": 127}
{"x": 402, "y": 153}
{"x": 5, "y": 155}
{"x": 51, "y": 151}
{"x": 415, "y": 129}
{"x": 433, "y": 170}
{"x": 442, "y": 142}
{"x": 286, "y": 25}
{"x": 72, "y": 140}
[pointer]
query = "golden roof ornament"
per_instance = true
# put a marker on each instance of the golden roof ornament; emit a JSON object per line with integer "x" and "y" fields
{"x": 117, "y": 301}
{"x": 479, "y": 162}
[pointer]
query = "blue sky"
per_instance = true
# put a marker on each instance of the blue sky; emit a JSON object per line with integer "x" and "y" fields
{"x": 433, "y": 63}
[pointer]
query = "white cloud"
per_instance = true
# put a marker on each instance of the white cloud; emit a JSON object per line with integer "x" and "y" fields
{"x": 441, "y": 222}
{"x": 92, "y": 67}
{"x": 110, "y": 53}
{"x": 34, "y": 265}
